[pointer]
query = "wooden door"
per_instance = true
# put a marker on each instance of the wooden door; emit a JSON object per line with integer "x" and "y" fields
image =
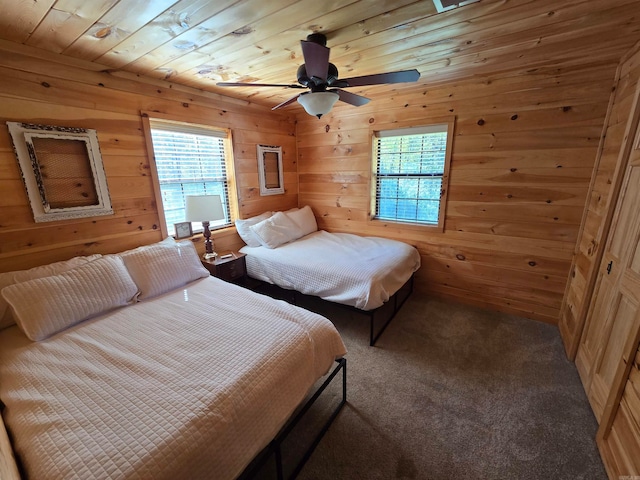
{"x": 614, "y": 318}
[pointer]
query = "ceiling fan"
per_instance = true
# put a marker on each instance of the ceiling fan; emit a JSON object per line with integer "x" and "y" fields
{"x": 321, "y": 77}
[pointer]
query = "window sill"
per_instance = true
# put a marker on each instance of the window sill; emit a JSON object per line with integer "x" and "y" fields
{"x": 407, "y": 225}
{"x": 218, "y": 232}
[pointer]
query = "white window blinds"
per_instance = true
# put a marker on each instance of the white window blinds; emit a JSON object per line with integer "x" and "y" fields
{"x": 410, "y": 165}
{"x": 191, "y": 160}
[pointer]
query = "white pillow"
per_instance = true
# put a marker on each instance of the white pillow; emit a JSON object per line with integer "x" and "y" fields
{"x": 163, "y": 266}
{"x": 47, "y": 305}
{"x": 244, "y": 230}
{"x": 276, "y": 230}
{"x": 9, "y": 278}
{"x": 166, "y": 241}
{"x": 305, "y": 219}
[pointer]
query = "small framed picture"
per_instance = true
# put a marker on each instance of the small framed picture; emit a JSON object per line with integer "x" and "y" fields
{"x": 183, "y": 229}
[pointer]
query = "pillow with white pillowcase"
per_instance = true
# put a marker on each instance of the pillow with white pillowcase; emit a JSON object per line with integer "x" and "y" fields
{"x": 163, "y": 266}
{"x": 18, "y": 276}
{"x": 45, "y": 306}
{"x": 305, "y": 219}
{"x": 244, "y": 228}
{"x": 276, "y": 230}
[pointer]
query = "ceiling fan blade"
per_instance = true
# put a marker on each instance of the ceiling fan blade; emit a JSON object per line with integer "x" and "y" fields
{"x": 351, "y": 98}
{"x": 379, "y": 78}
{"x": 316, "y": 59}
{"x": 232, "y": 84}
{"x": 286, "y": 102}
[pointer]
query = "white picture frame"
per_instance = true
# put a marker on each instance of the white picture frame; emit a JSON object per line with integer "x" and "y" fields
{"x": 86, "y": 196}
{"x": 183, "y": 230}
{"x": 270, "y": 170}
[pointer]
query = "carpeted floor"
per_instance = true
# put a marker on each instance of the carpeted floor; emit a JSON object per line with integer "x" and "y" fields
{"x": 455, "y": 392}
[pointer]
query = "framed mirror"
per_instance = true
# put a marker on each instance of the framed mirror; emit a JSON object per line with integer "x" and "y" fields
{"x": 270, "y": 170}
{"x": 62, "y": 171}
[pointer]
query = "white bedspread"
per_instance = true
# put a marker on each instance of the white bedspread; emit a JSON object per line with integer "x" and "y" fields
{"x": 359, "y": 271}
{"x": 189, "y": 385}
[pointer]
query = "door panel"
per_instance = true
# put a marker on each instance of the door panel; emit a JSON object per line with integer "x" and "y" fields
{"x": 635, "y": 262}
{"x": 594, "y": 330}
{"x": 620, "y": 446}
{"x": 623, "y": 227}
{"x": 610, "y": 357}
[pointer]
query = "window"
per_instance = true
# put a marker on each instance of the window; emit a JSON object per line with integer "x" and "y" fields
{"x": 190, "y": 160}
{"x": 410, "y": 170}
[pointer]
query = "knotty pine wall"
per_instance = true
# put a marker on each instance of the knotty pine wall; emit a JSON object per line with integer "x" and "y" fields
{"x": 523, "y": 154}
{"x": 45, "y": 88}
{"x": 604, "y": 191}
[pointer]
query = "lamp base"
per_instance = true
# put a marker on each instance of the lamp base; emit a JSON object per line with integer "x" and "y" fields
{"x": 207, "y": 256}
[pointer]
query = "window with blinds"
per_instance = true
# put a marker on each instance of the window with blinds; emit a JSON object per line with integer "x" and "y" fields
{"x": 409, "y": 172}
{"x": 190, "y": 160}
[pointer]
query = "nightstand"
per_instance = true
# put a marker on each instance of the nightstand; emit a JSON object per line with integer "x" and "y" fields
{"x": 231, "y": 269}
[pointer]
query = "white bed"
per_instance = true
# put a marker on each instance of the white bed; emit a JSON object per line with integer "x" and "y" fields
{"x": 363, "y": 272}
{"x": 191, "y": 383}
{"x": 371, "y": 274}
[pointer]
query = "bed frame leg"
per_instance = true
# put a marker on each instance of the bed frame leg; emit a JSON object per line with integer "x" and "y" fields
{"x": 396, "y": 307}
{"x": 274, "y": 448}
{"x": 278, "y": 454}
{"x": 342, "y": 365}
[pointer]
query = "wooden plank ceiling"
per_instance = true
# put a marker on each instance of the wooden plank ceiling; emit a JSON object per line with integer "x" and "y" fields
{"x": 200, "y": 42}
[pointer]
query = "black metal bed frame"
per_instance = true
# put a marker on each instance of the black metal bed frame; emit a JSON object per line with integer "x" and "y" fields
{"x": 274, "y": 448}
{"x": 391, "y": 307}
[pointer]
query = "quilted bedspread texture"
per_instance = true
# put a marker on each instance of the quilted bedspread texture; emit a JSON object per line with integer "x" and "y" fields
{"x": 189, "y": 385}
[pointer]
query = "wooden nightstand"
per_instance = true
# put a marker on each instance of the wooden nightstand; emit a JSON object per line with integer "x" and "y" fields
{"x": 231, "y": 269}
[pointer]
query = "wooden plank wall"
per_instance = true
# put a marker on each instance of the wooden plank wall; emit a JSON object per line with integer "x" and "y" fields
{"x": 601, "y": 203}
{"x": 523, "y": 153}
{"x": 40, "y": 87}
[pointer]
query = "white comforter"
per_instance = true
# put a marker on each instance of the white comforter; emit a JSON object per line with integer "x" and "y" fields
{"x": 359, "y": 271}
{"x": 189, "y": 385}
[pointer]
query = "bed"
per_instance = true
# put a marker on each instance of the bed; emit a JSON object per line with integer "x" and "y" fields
{"x": 368, "y": 273}
{"x": 172, "y": 375}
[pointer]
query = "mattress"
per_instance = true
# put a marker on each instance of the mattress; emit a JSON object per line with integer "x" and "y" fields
{"x": 363, "y": 272}
{"x": 191, "y": 384}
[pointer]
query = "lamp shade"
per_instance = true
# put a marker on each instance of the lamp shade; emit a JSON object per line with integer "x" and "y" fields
{"x": 203, "y": 208}
{"x": 318, "y": 103}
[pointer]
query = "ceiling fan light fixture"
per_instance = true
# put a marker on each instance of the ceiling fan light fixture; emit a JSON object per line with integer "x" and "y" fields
{"x": 318, "y": 103}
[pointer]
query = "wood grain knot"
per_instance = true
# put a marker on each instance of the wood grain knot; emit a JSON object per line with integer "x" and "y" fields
{"x": 103, "y": 32}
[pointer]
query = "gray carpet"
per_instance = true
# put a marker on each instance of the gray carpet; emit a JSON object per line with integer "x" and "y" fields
{"x": 455, "y": 392}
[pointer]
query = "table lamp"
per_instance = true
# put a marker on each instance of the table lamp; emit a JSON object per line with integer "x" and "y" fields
{"x": 204, "y": 208}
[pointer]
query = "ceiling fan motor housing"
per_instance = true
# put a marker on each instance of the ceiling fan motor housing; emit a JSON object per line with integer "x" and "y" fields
{"x": 303, "y": 78}
{"x": 319, "y": 38}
